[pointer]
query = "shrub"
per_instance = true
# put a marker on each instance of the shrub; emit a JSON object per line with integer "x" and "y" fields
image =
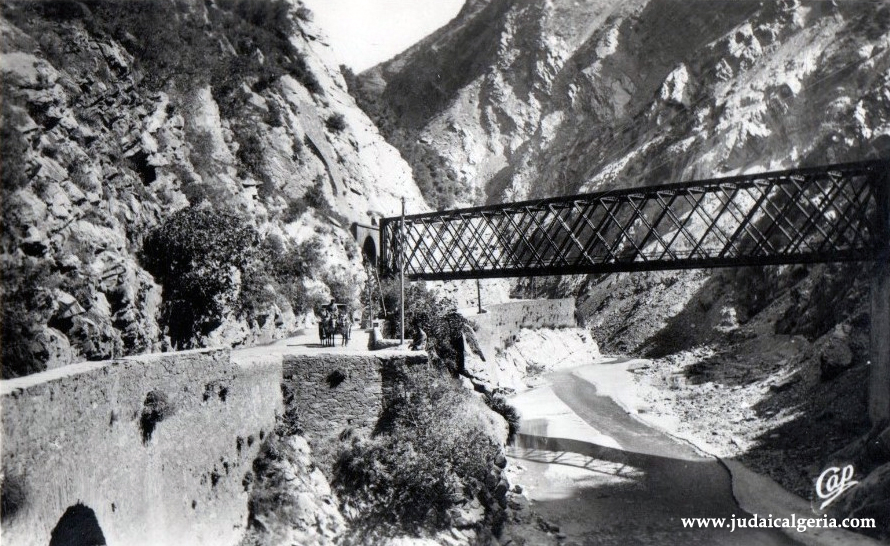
{"x": 275, "y": 115}
{"x": 155, "y": 409}
{"x": 12, "y": 496}
{"x": 201, "y": 151}
{"x": 304, "y": 14}
{"x": 200, "y": 192}
{"x": 290, "y": 267}
{"x": 13, "y": 146}
{"x": 250, "y": 151}
{"x": 197, "y": 255}
{"x": 295, "y": 209}
{"x": 499, "y": 405}
{"x": 313, "y": 197}
{"x": 434, "y": 449}
{"x": 336, "y": 123}
{"x": 258, "y": 290}
{"x": 437, "y": 317}
{"x": 26, "y": 304}
{"x": 270, "y": 15}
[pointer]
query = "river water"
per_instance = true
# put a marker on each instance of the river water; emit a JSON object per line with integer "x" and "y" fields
{"x": 606, "y": 478}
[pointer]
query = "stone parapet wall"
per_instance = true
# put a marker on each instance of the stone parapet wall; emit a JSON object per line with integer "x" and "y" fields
{"x": 156, "y": 446}
{"x": 158, "y": 449}
{"x": 326, "y": 394}
{"x": 502, "y": 322}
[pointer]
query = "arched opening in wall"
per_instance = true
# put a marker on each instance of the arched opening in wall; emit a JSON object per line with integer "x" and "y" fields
{"x": 369, "y": 249}
{"x": 78, "y": 527}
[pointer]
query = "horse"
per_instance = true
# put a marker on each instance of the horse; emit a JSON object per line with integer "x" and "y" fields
{"x": 326, "y": 331}
{"x": 344, "y": 328}
{"x": 333, "y": 323}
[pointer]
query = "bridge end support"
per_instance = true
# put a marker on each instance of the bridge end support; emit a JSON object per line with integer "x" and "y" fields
{"x": 879, "y": 375}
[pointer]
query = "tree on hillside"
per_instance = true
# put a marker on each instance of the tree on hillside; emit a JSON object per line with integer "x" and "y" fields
{"x": 203, "y": 258}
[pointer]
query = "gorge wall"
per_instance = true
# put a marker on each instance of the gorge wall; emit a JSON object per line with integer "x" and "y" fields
{"x": 117, "y": 116}
{"x": 518, "y": 100}
{"x": 536, "y": 98}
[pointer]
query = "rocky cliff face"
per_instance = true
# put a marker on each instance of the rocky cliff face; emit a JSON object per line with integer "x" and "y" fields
{"x": 516, "y": 100}
{"x": 118, "y": 114}
{"x": 537, "y": 98}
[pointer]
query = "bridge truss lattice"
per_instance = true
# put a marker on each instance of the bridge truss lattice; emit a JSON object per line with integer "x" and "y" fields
{"x": 825, "y": 214}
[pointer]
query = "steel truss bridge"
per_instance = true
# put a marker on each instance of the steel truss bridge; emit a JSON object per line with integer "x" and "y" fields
{"x": 833, "y": 213}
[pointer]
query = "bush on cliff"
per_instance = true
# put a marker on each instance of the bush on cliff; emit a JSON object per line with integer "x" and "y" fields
{"x": 203, "y": 258}
{"x": 26, "y": 302}
{"x": 437, "y": 317}
{"x": 445, "y": 329}
{"x": 213, "y": 263}
{"x": 291, "y": 266}
{"x": 499, "y": 405}
{"x": 434, "y": 449}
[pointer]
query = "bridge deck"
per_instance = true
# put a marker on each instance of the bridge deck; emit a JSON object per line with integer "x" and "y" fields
{"x": 824, "y": 214}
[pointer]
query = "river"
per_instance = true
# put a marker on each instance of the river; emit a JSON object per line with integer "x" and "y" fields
{"x": 605, "y": 478}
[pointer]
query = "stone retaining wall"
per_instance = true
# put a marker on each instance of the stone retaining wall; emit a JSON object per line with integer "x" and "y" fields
{"x": 502, "y": 322}
{"x": 158, "y": 449}
{"x": 151, "y": 449}
{"x": 327, "y": 394}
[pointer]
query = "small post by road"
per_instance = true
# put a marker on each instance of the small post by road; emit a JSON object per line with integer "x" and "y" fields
{"x": 479, "y": 297}
{"x": 370, "y": 322}
{"x": 402, "y": 275}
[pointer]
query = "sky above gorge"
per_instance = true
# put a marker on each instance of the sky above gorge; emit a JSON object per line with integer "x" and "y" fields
{"x": 366, "y": 32}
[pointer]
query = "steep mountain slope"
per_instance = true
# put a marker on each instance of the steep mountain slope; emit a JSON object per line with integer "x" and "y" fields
{"x": 533, "y": 98}
{"x": 116, "y": 115}
{"x": 536, "y": 98}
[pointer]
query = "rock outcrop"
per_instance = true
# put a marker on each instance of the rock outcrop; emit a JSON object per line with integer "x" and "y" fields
{"x": 517, "y": 100}
{"x": 537, "y": 98}
{"x": 528, "y": 354}
{"x": 291, "y": 501}
{"x": 116, "y": 116}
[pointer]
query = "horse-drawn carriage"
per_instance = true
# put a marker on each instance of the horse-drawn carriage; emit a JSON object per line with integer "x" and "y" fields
{"x": 334, "y": 319}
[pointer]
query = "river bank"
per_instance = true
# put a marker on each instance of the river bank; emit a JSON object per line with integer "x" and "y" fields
{"x": 560, "y": 408}
{"x": 593, "y": 474}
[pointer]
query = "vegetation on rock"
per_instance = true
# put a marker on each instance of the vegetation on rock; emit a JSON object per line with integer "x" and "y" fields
{"x": 108, "y": 129}
{"x": 336, "y": 123}
{"x": 203, "y": 258}
{"x": 179, "y": 50}
{"x": 434, "y": 450}
{"x": 436, "y": 444}
{"x": 290, "y": 500}
{"x": 27, "y": 287}
{"x": 437, "y": 317}
{"x": 212, "y": 262}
